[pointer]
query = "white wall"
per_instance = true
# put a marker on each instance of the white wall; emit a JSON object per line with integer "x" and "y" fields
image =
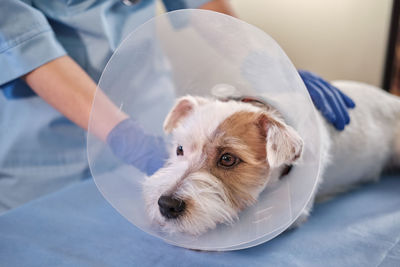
{"x": 338, "y": 39}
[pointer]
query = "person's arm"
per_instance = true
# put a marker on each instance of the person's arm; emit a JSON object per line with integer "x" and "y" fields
{"x": 65, "y": 85}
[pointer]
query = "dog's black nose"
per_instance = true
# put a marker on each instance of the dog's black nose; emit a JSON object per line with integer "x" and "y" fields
{"x": 171, "y": 207}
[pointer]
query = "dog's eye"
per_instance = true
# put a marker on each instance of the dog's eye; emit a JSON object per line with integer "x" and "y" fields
{"x": 228, "y": 160}
{"x": 179, "y": 151}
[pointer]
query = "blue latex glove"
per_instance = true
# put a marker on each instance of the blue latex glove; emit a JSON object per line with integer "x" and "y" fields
{"x": 131, "y": 144}
{"x": 329, "y": 100}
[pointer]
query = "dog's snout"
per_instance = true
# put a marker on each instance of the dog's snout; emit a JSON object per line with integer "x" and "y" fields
{"x": 171, "y": 207}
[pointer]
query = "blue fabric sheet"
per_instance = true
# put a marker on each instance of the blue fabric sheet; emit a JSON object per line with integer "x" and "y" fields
{"x": 77, "y": 227}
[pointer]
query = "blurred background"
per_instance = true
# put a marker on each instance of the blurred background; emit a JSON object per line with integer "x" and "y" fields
{"x": 338, "y": 39}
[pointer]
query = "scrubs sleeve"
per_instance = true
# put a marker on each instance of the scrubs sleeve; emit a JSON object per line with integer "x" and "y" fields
{"x": 171, "y": 5}
{"x": 26, "y": 40}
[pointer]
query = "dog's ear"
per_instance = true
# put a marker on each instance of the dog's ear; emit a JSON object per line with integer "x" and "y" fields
{"x": 284, "y": 145}
{"x": 184, "y": 107}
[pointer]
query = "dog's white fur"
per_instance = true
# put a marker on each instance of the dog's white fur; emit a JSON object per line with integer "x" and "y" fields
{"x": 358, "y": 154}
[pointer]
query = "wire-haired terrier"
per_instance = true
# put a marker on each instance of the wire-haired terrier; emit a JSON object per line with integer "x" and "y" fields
{"x": 227, "y": 152}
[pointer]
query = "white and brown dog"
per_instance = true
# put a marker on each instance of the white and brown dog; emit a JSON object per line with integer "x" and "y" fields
{"x": 226, "y": 153}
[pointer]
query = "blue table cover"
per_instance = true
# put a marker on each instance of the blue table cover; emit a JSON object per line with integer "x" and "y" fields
{"x": 77, "y": 227}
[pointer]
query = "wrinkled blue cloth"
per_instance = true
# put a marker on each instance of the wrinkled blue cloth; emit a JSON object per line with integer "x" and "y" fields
{"x": 328, "y": 99}
{"x": 131, "y": 144}
{"x": 77, "y": 227}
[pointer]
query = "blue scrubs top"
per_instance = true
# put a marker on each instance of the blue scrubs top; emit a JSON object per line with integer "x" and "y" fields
{"x": 41, "y": 151}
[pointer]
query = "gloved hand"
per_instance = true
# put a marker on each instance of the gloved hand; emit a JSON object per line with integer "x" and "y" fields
{"x": 328, "y": 99}
{"x": 131, "y": 144}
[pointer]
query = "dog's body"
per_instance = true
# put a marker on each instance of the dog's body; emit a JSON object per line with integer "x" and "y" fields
{"x": 368, "y": 144}
{"x": 228, "y": 152}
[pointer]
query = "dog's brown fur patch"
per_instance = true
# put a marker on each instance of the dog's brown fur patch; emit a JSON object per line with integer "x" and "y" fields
{"x": 241, "y": 135}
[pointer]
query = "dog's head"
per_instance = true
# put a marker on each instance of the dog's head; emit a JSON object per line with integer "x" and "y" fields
{"x": 224, "y": 155}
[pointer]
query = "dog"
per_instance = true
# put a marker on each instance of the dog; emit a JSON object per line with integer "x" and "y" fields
{"x": 226, "y": 152}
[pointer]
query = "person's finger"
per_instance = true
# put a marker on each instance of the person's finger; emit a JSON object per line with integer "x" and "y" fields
{"x": 347, "y": 100}
{"x": 321, "y": 102}
{"x": 154, "y": 154}
{"x": 336, "y": 97}
{"x": 341, "y": 104}
{"x": 337, "y": 106}
{"x": 349, "y": 103}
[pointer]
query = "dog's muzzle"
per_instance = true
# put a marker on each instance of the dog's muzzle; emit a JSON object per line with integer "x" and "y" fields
{"x": 171, "y": 207}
